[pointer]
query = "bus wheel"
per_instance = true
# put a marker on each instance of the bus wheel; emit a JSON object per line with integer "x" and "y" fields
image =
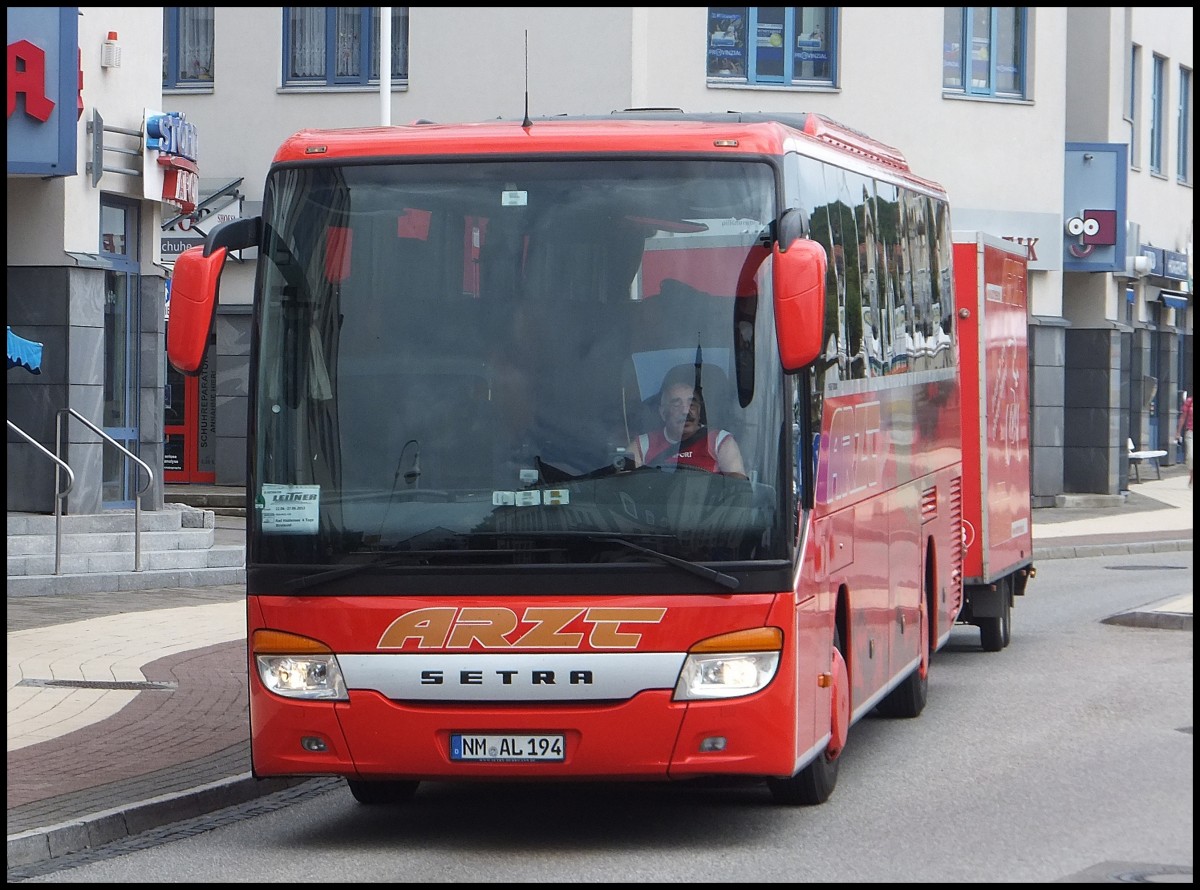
{"x": 908, "y": 699}
{"x": 813, "y": 784}
{"x": 378, "y": 793}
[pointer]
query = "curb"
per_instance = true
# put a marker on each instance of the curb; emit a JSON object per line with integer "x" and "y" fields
{"x": 1157, "y": 620}
{"x": 1070, "y": 551}
{"x": 96, "y": 829}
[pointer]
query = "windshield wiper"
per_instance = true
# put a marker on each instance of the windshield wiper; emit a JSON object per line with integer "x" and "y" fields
{"x": 694, "y": 567}
{"x": 393, "y": 559}
{"x": 727, "y": 581}
{"x": 343, "y": 571}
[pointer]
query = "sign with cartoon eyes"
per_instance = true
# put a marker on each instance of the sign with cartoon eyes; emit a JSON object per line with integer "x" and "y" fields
{"x": 1092, "y": 229}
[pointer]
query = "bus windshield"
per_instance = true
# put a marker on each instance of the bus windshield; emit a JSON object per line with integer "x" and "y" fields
{"x": 535, "y": 362}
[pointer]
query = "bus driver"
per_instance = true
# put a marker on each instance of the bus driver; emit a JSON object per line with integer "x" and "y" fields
{"x": 684, "y": 439}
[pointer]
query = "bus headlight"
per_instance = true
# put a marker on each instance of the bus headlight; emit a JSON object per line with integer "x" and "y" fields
{"x": 730, "y": 665}
{"x": 725, "y": 676}
{"x": 302, "y": 676}
{"x": 297, "y": 667}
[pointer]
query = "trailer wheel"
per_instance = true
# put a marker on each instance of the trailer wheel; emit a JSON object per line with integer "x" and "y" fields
{"x": 1006, "y": 628}
{"x": 996, "y": 632}
{"x": 381, "y": 793}
{"x": 815, "y": 783}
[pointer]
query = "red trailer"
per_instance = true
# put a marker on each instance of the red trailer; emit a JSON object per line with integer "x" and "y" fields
{"x": 991, "y": 296}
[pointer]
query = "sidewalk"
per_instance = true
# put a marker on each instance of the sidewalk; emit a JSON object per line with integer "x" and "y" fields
{"x": 132, "y": 715}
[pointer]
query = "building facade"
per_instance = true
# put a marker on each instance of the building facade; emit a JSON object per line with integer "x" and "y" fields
{"x": 85, "y": 199}
{"x": 1067, "y": 130}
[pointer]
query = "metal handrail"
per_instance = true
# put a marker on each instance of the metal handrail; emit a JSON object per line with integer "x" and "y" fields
{"x": 137, "y": 501}
{"x": 58, "y": 495}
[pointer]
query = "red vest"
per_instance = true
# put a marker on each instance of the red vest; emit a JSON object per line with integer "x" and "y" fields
{"x": 699, "y": 451}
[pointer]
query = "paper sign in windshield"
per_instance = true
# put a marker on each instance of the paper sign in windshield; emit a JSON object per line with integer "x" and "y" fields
{"x": 290, "y": 509}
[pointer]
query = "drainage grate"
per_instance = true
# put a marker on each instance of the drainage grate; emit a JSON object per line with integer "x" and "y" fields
{"x": 144, "y": 685}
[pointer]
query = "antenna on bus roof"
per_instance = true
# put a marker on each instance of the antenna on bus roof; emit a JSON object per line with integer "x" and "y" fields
{"x": 526, "y": 122}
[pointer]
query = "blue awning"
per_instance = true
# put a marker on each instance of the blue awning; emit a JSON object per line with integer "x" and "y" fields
{"x": 1175, "y": 299}
{"x": 24, "y": 353}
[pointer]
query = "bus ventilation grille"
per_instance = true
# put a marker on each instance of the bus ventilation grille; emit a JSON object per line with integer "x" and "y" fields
{"x": 929, "y": 504}
{"x": 956, "y": 523}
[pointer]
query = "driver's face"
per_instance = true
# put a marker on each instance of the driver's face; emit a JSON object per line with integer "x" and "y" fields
{"x": 680, "y": 411}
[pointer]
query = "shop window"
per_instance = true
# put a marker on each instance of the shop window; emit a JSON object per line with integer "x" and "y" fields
{"x": 339, "y": 45}
{"x": 788, "y": 45}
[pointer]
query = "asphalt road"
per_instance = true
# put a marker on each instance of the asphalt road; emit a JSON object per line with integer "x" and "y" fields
{"x": 1067, "y": 757}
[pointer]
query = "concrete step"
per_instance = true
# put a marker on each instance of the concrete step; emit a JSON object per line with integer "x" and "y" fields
{"x": 113, "y": 582}
{"x": 229, "y": 511}
{"x": 171, "y": 518}
{"x": 1088, "y": 501}
{"x": 224, "y": 555}
{"x": 96, "y": 552}
{"x": 110, "y": 542}
{"x": 222, "y": 500}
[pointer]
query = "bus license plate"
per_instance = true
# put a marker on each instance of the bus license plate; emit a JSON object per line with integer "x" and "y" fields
{"x": 498, "y": 748}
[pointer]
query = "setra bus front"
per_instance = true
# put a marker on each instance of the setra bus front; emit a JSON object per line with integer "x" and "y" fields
{"x": 498, "y": 530}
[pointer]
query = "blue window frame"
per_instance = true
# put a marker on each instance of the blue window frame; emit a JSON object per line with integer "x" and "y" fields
{"x": 985, "y": 51}
{"x": 339, "y": 45}
{"x": 1183, "y": 150}
{"x": 1158, "y": 100}
{"x": 187, "y": 47}
{"x": 785, "y": 45}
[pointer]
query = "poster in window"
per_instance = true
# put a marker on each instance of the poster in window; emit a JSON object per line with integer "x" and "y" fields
{"x": 726, "y": 42}
{"x": 173, "y": 454}
{"x": 811, "y": 56}
{"x": 769, "y": 49}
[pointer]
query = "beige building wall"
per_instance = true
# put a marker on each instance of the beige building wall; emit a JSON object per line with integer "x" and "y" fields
{"x": 468, "y": 63}
{"x": 1002, "y": 161}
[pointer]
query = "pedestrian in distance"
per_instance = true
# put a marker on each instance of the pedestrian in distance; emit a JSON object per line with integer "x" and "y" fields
{"x": 1183, "y": 434}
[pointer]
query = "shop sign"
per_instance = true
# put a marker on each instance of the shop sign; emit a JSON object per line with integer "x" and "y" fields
{"x": 170, "y": 151}
{"x": 1155, "y": 255}
{"x": 43, "y": 85}
{"x": 189, "y": 232}
{"x": 1175, "y": 265}
{"x": 1094, "y": 213}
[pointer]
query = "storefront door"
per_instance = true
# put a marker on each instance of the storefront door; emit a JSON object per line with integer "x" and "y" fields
{"x": 189, "y": 450}
{"x": 119, "y": 222}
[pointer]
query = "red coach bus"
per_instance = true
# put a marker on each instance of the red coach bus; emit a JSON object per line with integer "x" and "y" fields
{"x": 620, "y": 447}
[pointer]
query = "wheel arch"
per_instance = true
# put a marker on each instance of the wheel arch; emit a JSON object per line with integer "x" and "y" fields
{"x": 929, "y": 592}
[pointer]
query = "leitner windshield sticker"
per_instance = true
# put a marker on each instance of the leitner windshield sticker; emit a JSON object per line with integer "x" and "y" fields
{"x": 289, "y": 509}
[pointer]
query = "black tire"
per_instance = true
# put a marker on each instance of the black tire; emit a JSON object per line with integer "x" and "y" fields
{"x": 996, "y": 633}
{"x": 383, "y": 792}
{"x": 1006, "y": 619}
{"x": 811, "y": 786}
{"x": 991, "y": 634}
{"x": 908, "y": 699}
{"x": 815, "y": 783}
